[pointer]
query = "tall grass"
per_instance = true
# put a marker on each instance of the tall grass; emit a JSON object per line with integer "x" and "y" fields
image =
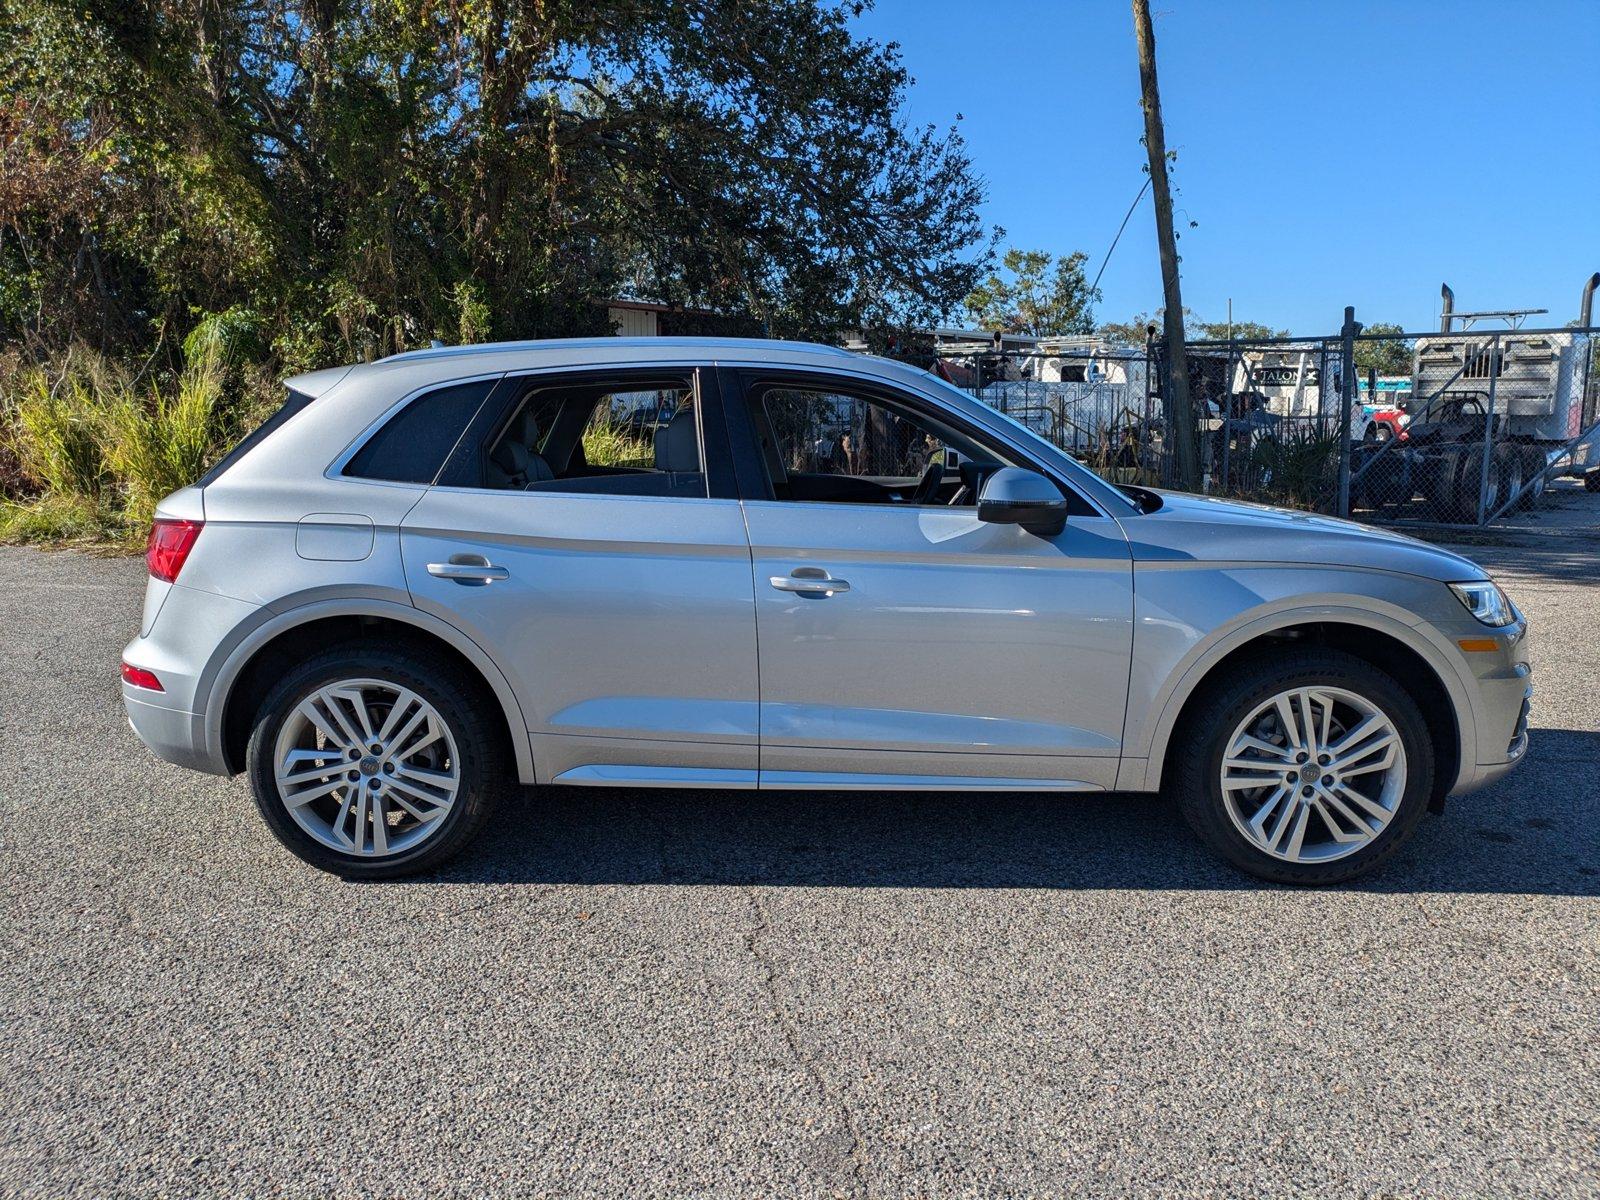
{"x": 609, "y": 443}
{"x": 56, "y": 438}
{"x": 157, "y": 443}
{"x": 97, "y": 451}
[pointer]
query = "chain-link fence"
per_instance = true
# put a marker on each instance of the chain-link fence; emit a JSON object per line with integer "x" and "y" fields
{"x": 1091, "y": 398}
{"x": 1491, "y": 418}
{"x": 1459, "y": 426}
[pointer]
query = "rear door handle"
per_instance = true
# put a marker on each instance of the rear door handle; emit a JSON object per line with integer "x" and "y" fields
{"x": 809, "y": 581}
{"x": 472, "y": 570}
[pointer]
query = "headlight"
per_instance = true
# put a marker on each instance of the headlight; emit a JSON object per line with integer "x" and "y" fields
{"x": 1486, "y": 601}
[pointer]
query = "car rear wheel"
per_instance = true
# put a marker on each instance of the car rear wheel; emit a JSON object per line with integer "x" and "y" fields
{"x": 1309, "y": 767}
{"x": 373, "y": 763}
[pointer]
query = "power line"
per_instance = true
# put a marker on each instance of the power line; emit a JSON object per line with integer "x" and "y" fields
{"x": 1142, "y": 189}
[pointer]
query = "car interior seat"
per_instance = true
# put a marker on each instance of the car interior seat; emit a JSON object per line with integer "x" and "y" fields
{"x": 515, "y": 461}
{"x": 677, "y": 444}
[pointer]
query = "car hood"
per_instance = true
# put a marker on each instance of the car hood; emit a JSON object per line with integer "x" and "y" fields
{"x": 1202, "y": 528}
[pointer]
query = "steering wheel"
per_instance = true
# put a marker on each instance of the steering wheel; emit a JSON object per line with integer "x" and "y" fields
{"x": 928, "y": 486}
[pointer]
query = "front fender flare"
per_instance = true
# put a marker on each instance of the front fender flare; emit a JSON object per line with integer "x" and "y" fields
{"x": 1142, "y": 763}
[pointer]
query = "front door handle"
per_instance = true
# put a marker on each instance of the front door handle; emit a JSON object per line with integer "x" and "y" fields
{"x": 809, "y": 581}
{"x": 471, "y": 570}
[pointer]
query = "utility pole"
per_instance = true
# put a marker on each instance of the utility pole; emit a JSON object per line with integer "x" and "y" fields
{"x": 1180, "y": 411}
{"x": 1347, "y": 391}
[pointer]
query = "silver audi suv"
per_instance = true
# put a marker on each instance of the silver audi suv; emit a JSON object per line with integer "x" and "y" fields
{"x": 742, "y": 564}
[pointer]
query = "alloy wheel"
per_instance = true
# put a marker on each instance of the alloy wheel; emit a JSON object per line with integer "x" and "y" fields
{"x": 366, "y": 767}
{"x": 1313, "y": 774}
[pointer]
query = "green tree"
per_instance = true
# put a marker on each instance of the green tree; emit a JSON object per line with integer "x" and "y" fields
{"x": 365, "y": 175}
{"x": 1029, "y": 297}
{"x": 1244, "y": 331}
{"x": 1390, "y": 354}
{"x": 1132, "y": 331}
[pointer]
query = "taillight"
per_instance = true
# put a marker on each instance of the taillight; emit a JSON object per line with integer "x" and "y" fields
{"x": 140, "y": 678}
{"x": 169, "y": 544}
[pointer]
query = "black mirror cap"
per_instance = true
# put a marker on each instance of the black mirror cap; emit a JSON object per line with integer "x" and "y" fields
{"x": 1016, "y": 496}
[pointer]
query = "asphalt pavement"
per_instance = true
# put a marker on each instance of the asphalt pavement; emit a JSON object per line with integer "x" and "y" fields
{"x": 631, "y": 994}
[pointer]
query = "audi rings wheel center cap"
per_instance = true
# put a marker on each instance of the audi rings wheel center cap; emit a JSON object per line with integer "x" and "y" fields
{"x": 369, "y": 765}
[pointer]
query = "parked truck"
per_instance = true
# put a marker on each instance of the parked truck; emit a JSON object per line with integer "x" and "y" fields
{"x": 1492, "y": 416}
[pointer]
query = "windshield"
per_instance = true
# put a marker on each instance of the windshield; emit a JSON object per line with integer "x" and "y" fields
{"x": 1108, "y": 493}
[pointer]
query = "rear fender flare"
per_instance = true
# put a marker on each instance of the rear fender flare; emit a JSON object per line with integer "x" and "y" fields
{"x": 223, "y": 672}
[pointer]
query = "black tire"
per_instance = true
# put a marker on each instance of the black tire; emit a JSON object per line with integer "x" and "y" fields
{"x": 486, "y": 769}
{"x": 1535, "y": 468}
{"x": 1510, "y": 461}
{"x": 1591, "y": 480}
{"x": 1195, "y": 765}
{"x": 1470, "y": 483}
{"x": 1437, "y": 484}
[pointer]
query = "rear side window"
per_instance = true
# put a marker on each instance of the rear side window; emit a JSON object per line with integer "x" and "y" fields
{"x": 413, "y": 444}
{"x": 292, "y": 404}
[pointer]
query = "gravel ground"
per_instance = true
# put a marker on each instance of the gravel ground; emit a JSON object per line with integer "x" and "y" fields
{"x": 634, "y": 994}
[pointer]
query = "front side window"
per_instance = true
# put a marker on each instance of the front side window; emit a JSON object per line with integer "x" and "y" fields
{"x": 641, "y": 438}
{"x": 826, "y": 444}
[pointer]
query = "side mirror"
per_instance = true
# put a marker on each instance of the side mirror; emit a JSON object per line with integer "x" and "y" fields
{"x": 1014, "y": 496}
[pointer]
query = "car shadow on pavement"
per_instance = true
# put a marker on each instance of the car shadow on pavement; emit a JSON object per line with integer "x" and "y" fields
{"x": 1533, "y": 832}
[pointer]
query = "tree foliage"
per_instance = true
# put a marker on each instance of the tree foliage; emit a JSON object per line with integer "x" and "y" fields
{"x": 1029, "y": 297}
{"x": 351, "y": 177}
{"x": 1389, "y": 354}
{"x": 1133, "y": 331}
{"x": 1243, "y": 331}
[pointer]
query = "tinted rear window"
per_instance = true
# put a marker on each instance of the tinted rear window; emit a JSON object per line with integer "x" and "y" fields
{"x": 413, "y": 445}
{"x": 292, "y": 404}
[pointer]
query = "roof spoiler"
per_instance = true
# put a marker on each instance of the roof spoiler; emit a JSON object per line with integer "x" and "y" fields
{"x": 316, "y": 383}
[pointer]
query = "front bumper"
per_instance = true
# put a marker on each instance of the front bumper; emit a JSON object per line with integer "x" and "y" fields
{"x": 1504, "y": 685}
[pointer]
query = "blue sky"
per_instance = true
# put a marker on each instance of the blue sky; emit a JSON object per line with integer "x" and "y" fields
{"x": 1332, "y": 153}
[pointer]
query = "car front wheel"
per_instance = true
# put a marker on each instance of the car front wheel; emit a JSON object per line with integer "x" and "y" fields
{"x": 372, "y": 763}
{"x": 1307, "y": 767}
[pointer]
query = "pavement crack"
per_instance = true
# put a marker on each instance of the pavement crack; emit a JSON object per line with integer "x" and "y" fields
{"x": 826, "y": 1093}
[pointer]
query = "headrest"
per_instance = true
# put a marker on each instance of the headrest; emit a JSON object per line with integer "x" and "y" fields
{"x": 511, "y": 456}
{"x": 524, "y": 428}
{"x": 678, "y": 444}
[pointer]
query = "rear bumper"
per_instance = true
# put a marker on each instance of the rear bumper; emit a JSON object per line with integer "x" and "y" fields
{"x": 172, "y": 735}
{"x": 185, "y": 636}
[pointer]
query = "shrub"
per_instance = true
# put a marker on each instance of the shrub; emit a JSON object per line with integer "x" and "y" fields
{"x": 609, "y": 443}
{"x": 161, "y": 442}
{"x": 1299, "y": 468}
{"x": 53, "y": 427}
